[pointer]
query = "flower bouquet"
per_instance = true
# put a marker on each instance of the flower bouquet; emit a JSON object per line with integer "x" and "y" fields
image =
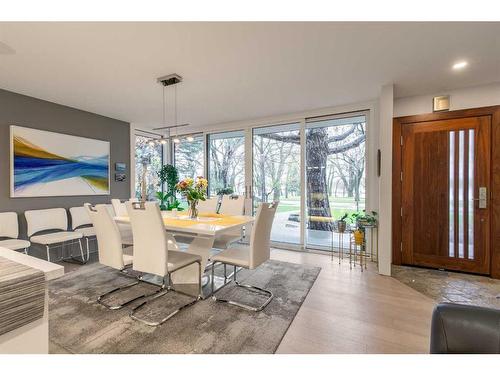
{"x": 194, "y": 191}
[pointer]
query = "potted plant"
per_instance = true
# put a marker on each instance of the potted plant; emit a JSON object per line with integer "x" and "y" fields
{"x": 194, "y": 191}
{"x": 362, "y": 219}
{"x": 168, "y": 176}
{"x": 225, "y": 191}
{"x": 342, "y": 223}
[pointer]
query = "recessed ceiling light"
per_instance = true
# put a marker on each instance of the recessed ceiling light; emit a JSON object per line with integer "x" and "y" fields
{"x": 190, "y": 138}
{"x": 460, "y": 65}
{"x": 176, "y": 140}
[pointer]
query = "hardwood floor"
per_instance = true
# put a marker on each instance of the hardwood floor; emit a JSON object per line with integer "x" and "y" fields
{"x": 348, "y": 311}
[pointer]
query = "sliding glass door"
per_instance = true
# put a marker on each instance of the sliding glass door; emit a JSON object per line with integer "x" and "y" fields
{"x": 335, "y": 174}
{"x": 226, "y": 163}
{"x": 276, "y": 177}
{"x": 315, "y": 168}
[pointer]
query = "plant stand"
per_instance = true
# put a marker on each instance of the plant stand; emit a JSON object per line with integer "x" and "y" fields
{"x": 357, "y": 251}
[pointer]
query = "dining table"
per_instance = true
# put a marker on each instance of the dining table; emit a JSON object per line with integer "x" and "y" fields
{"x": 203, "y": 230}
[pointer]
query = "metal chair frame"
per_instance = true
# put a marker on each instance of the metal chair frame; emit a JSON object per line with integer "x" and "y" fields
{"x": 164, "y": 289}
{"x": 252, "y": 288}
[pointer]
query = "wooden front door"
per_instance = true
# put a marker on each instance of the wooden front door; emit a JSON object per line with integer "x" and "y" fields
{"x": 445, "y": 195}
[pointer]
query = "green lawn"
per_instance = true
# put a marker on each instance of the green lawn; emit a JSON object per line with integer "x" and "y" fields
{"x": 339, "y": 206}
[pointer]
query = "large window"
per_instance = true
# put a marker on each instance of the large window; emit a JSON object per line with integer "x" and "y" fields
{"x": 315, "y": 168}
{"x": 335, "y": 173}
{"x": 276, "y": 177}
{"x": 148, "y": 161}
{"x": 226, "y": 166}
{"x": 189, "y": 158}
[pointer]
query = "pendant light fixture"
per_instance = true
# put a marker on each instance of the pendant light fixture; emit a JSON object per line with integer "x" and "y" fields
{"x": 171, "y": 80}
{"x": 163, "y": 141}
{"x": 176, "y": 139}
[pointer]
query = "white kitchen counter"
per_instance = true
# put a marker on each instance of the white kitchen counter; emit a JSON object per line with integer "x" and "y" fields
{"x": 33, "y": 337}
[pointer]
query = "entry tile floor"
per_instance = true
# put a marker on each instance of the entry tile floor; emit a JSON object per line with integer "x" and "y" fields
{"x": 444, "y": 286}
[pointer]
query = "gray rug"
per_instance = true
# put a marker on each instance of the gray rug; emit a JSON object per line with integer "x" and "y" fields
{"x": 78, "y": 324}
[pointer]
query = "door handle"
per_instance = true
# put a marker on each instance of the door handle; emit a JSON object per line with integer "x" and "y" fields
{"x": 483, "y": 197}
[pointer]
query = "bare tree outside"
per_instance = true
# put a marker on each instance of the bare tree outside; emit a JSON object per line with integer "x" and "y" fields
{"x": 226, "y": 166}
{"x": 152, "y": 154}
{"x": 276, "y": 177}
{"x": 189, "y": 158}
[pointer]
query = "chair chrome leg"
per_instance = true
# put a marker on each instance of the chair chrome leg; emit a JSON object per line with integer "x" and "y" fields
{"x": 251, "y": 288}
{"x": 88, "y": 248}
{"x": 26, "y": 250}
{"x": 166, "y": 287}
{"x": 73, "y": 259}
{"x": 200, "y": 287}
{"x": 117, "y": 307}
{"x": 213, "y": 276}
{"x": 48, "y": 252}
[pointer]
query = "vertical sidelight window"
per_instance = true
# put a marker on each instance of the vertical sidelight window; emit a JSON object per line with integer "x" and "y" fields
{"x": 461, "y": 193}
{"x": 451, "y": 181}
{"x": 461, "y": 202}
{"x": 470, "y": 194}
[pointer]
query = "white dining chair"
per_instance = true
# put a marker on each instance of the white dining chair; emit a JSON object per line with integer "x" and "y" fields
{"x": 152, "y": 254}
{"x": 81, "y": 222}
{"x": 208, "y": 206}
{"x": 233, "y": 205}
{"x": 56, "y": 221}
{"x": 9, "y": 229}
{"x": 117, "y": 208}
{"x": 250, "y": 257}
{"x": 110, "y": 250}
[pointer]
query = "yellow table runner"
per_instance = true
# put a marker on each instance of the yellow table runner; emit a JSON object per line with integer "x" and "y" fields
{"x": 222, "y": 220}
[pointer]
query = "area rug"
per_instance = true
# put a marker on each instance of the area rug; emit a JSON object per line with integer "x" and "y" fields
{"x": 78, "y": 324}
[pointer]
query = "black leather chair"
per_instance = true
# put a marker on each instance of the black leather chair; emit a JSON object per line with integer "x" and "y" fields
{"x": 464, "y": 329}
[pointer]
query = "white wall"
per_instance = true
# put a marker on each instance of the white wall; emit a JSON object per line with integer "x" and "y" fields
{"x": 472, "y": 97}
{"x": 385, "y": 111}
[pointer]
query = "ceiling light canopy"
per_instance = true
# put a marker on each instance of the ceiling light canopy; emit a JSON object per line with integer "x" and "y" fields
{"x": 460, "y": 65}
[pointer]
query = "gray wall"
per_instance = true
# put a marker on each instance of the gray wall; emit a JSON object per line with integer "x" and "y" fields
{"x": 21, "y": 110}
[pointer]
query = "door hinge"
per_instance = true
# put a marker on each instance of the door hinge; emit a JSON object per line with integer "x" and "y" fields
{"x": 401, "y": 246}
{"x": 401, "y": 211}
{"x": 401, "y": 176}
{"x": 401, "y": 140}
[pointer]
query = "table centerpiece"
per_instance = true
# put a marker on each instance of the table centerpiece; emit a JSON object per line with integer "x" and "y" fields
{"x": 193, "y": 191}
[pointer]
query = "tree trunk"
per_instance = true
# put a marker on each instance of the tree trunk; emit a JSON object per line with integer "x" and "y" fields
{"x": 318, "y": 203}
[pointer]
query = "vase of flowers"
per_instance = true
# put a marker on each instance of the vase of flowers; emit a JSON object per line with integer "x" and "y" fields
{"x": 194, "y": 191}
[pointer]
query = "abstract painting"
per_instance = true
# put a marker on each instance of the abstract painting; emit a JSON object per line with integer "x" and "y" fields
{"x": 47, "y": 164}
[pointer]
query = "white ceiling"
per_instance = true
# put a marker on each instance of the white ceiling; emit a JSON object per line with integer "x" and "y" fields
{"x": 237, "y": 71}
